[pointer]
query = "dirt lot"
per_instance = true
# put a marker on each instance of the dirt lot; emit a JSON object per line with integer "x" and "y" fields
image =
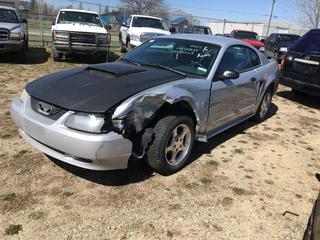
{"x": 237, "y": 187}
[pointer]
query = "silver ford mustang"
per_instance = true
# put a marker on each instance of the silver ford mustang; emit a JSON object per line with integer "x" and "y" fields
{"x": 152, "y": 103}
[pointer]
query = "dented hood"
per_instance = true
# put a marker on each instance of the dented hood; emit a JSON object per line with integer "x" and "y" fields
{"x": 99, "y": 87}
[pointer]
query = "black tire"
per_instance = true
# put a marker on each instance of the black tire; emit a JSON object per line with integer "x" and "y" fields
{"x": 128, "y": 46}
{"x": 163, "y": 133}
{"x": 55, "y": 54}
{"x": 122, "y": 46}
{"x": 262, "y": 112}
{"x": 22, "y": 54}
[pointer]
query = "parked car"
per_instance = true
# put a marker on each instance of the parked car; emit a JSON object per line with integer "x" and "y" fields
{"x": 195, "y": 29}
{"x": 222, "y": 34}
{"x": 301, "y": 65}
{"x": 80, "y": 32}
{"x": 138, "y": 29}
{"x": 249, "y": 37}
{"x": 97, "y": 117}
{"x": 277, "y": 44}
{"x": 312, "y": 231}
{"x": 13, "y": 33}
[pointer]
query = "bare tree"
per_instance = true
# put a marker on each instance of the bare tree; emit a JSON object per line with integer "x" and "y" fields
{"x": 151, "y": 7}
{"x": 310, "y": 12}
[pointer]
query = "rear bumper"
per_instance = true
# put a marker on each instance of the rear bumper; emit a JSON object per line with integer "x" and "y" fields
{"x": 91, "y": 151}
{"x": 10, "y": 46}
{"x": 300, "y": 85}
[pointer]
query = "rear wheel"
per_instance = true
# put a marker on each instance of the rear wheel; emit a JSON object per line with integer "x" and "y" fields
{"x": 264, "y": 107}
{"x": 172, "y": 144}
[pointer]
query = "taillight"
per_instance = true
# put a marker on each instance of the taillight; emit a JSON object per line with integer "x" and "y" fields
{"x": 283, "y": 61}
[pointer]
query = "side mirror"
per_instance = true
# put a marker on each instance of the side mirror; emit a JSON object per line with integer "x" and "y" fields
{"x": 53, "y": 22}
{"x": 262, "y": 40}
{"x": 23, "y": 20}
{"x": 108, "y": 27}
{"x": 229, "y": 74}
{"x": 172, "y": 30}
{"x": 124, "y": 24}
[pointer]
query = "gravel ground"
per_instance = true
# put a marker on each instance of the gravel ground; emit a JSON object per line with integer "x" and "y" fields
{"x": 237, "y": 186}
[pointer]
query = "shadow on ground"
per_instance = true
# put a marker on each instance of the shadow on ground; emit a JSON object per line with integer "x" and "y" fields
{"x": 35, "y": 55}
{"x": 301, "y": 98}
{"x": 138, "y": 170}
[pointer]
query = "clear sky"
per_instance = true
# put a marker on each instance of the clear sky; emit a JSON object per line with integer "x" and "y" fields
{"x": 220, "y": 9}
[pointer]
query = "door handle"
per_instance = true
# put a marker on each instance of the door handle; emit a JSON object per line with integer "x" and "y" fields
{"x": 253, "y": 79}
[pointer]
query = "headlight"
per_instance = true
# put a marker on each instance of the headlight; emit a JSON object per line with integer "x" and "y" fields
{"x": 261, "y": 49}
{"x": 135, "y": 37}
{"x": 283, "y": 49}
{"x": 24, "y": 96}
{"x": 61, "y": 36}
{"x": 16, "y": 35}
{"x": 102, "y": 36}
{"x": 85, "y": 122}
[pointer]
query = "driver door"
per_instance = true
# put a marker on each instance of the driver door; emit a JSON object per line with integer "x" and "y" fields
{"x": 234, "y": 99}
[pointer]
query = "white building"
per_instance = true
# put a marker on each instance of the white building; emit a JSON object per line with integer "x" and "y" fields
{"x": 224, "y": 27}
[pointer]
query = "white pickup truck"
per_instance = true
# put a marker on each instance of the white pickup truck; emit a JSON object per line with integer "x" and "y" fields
{"x": 81, "y": 32}
{"x": 139, "y": 28}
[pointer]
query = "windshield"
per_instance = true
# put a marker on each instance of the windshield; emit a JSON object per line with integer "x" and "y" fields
{"x": 247, "y": 35}
{"x": 187, "y": 56}
{"x": 8, "y": 16}
{"x": 196, "y": 30}
{"x": 79, "y": 17}
{"x": 309, "y": 43}
{"x": 149, "y": 22}
{"x": 287, "y": 38}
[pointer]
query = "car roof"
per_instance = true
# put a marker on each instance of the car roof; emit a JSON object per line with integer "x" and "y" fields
{"x": 76, "y": 10}
{"x": 285, "y": 34}
{"x": 9, "y": 8}
{"x": 146, "y": 16}
{"x": 218, "y": 40}
{"x": 239, "y": 30}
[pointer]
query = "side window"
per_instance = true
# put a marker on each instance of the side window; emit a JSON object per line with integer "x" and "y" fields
{"x": 236, "y": 58}
{"x": 128, "y": 21}
{"x": 254, "y": 58}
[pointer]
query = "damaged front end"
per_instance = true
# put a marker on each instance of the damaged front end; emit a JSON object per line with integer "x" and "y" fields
{"x": 135, "y": 117}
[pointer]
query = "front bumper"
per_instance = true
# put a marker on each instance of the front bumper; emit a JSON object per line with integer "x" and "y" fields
{"x": 10, "y": 46}
{"x": 301, "y": 85}
{"x": 79, "y": 47}
{"x": 91, "y": 151}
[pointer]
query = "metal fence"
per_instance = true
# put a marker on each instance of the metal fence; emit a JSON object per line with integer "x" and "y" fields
{"x": 39, "y": 23}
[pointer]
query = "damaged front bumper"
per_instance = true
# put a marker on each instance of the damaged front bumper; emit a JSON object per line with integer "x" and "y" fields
{"x": 86, "y": 150}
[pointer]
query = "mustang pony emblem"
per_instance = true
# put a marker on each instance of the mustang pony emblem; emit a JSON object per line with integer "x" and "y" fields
{"x": 44, "y": 108}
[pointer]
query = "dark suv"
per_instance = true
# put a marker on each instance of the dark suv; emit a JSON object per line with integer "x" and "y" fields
{"x": 301, "y": 65}
{"x": 277, "y": 44}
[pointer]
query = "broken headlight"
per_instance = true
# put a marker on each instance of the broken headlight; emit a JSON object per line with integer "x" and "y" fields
{"x": 84, "y": 122}
{"x": 118, "y": 124}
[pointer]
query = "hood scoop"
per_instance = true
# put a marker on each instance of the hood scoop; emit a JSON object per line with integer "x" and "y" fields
{"x": 116, "y": 69}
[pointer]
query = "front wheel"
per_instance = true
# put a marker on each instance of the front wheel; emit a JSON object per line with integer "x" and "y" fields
{"x": 264, "y": 107}
{"x": 172, "y": 144}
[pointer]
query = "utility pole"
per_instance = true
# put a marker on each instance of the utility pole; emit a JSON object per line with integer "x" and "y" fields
{"x": 270, "y": 17}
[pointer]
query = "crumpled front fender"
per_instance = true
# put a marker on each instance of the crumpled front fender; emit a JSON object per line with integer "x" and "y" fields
{"x": 141, "y": 107}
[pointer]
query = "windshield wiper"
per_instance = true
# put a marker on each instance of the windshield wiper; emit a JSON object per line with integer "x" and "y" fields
{"x": 164, "y": 67}
{"x": 130, "y": 61}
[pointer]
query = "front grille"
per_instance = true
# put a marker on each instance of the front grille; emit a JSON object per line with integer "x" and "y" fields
{"x": 55, "y": 113}
{"x": 88, "y": 38}
{"x": 4, "y": 33}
